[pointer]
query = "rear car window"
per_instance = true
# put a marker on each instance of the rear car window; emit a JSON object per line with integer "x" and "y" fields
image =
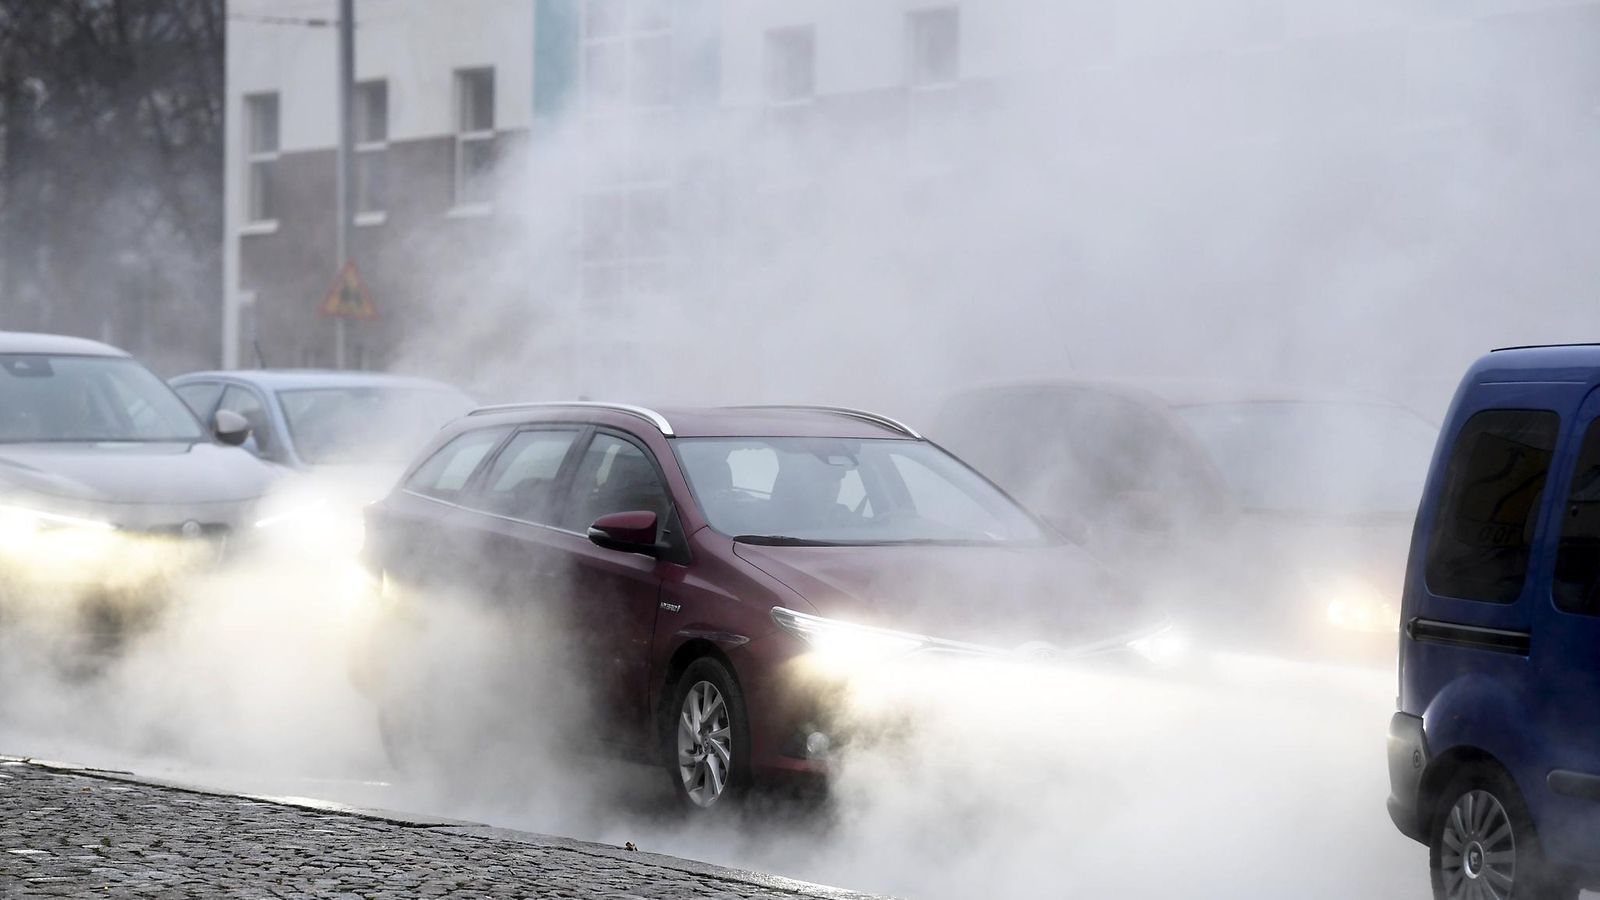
{"x": 522, "y": 482}
{"x": 1496, "y": 476}
{"x": 200, "y": 396}
{"x": 1577, "y": 579}
{"x": 446, "y": 472}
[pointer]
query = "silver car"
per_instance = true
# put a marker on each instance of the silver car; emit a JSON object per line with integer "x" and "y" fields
{"x": 109, "y": 485}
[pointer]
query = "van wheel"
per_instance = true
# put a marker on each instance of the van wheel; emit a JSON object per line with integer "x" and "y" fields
{"x": 1482, "y": 844}
{"x": 706, "y": 738}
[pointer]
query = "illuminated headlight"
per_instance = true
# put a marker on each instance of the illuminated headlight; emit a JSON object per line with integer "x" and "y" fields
{"x": 314, "y": 526}
{"x": 1362, "y": 614}
{"x": 842, "y": 641}
{"x": 1165, "y": 647}
{"x": 41, "y": 539}
{"x": 1354, "y": 604}
{"x": 21, "y": 521}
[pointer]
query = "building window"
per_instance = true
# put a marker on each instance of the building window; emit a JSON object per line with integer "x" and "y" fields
{"x": 261, "y": 157}
{"x": 933, "y": 39}
{"x": 474, "y": 136}
{"x": 627, "y": 55}
{"x": 628, "y": 87}
{"x": 627, "y": 244}
{"x": 371, "y": 143}
{"x": 791, "y": 65}
{"x": 935, "y": 47}
{"x": 790, "y": 88}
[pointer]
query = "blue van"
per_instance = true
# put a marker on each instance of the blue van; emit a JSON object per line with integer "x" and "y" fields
{"x": 1494, "y": 754}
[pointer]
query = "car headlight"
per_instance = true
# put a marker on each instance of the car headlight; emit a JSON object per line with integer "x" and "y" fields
{"x": 314, "y": 527}
{"x": 22, "y": 521}
{"x": 847, "y": 642}
{"x": 1165, "y": 647}
{"x": 1355, "y": 604}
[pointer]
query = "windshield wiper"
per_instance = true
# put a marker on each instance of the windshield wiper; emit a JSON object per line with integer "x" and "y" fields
{"x": 781, "y": 540}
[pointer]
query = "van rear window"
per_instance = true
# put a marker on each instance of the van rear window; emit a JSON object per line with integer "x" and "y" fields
{"x": 1577, "y": 579}
{"x": 1496, "y": 476}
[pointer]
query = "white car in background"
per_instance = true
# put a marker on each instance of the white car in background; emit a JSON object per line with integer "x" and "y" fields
{"x": 109, "y": 485}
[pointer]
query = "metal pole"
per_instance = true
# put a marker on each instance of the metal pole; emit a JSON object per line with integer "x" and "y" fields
{"x": 345, "y": 181}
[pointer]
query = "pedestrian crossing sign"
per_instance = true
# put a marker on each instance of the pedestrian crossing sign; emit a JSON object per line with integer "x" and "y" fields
{"x": 349, "y": 297}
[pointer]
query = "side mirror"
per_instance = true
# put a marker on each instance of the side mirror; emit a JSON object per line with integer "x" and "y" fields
{"x": 629, "y": 532}
{"x": 230, "y": 427}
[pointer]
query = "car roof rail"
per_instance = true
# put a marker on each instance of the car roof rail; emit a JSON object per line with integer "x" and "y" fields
{"x": 649, "y": 415}
{"x": 861, "y": 414}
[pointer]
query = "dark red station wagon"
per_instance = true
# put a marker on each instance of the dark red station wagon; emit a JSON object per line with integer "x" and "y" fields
{"x": 695, "y": 560}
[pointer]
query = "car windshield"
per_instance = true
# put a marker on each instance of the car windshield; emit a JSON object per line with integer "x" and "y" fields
{"x": 88, "y": 398}
{"x": 1335, "y": 458}
{"x": 803, "y": 490}
{"x": 367, "y": 424}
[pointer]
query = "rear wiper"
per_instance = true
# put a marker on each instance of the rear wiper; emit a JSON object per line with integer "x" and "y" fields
{"x": 780, "y": 540}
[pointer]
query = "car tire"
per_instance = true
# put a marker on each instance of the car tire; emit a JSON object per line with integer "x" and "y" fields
{"x": 705, "y": 738}
{"x": 1482, "y": 835}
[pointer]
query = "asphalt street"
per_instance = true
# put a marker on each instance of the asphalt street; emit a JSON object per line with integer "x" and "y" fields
{"x": 75, "y": 833}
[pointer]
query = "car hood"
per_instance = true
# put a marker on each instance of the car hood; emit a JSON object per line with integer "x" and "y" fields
{"x": 171, "y": 474}
{"x": 1003, "y": 597}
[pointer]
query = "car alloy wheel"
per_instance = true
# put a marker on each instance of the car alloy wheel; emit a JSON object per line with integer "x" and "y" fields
{"x": 1483, "y": 845}
{"x": 1478, "y": 852}
{"x": 705, "y": 744}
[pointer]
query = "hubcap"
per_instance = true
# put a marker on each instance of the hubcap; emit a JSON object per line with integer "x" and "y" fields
{"x": 1479, "y": 856}
{"x": 705, "y": 744}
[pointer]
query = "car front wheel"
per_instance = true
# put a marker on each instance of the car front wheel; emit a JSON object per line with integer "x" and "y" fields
{"x": 707, "y": 738}
{"x": 1483, "y": 845}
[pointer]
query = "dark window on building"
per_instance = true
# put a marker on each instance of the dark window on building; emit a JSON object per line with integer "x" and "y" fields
{"x": 522, "y": 482}
{"x": 261, "y": 156}
{"x": 934, "y": 36}
{"x": 1577, "y": 578}
{"x": 615, "y": 476}
{"x": 791, "y": 65}
{"x": 446, "y": 472}
{"x": 1490, "y": 505}
{"x": 371, "y": 145}
{"x": 372, "y": 112}
{"x": 474, "y": 135}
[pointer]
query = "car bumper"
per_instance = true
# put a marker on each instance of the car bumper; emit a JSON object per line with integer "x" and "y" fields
{"x": 1408, "y": 761}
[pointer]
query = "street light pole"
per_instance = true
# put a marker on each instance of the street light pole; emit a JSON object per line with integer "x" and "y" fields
{"x": 344, "y": 185}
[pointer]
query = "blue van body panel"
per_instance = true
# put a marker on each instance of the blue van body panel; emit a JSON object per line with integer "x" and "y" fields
{"x": 1522, "y": 684}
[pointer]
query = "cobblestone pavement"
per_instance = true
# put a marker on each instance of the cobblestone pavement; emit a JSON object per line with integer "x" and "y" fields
{"x": 67, "y": 832}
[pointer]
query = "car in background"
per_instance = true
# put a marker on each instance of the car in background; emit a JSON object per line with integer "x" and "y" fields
{"x": 698, "y": 563}
{"x": 1494, "y": 750}
{"x": 1271, "y": 518}
{"x": 109, "y": 484}
{"x": 309, "y": 418}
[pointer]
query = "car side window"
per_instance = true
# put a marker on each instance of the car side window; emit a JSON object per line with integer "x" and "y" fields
{"x": 1577, "y": 578}
{"x": 614, "y": 476}
{"x": 1490, "y": 505}
{"x": 200, "y": 396}
{"x": 447, "y": 471}
{"x": 245, "y": 402}
{"x": 522, "y": 482}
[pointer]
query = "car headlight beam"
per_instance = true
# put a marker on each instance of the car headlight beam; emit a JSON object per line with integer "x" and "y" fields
{"x": 844, "y": 641}
{"x": 25, "y": 520}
